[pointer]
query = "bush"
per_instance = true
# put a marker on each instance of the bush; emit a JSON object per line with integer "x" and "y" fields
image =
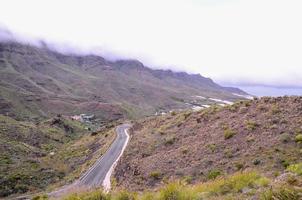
{"x": 228, "y": 133}
{"x": 184, "y": 150}
{"x": 296, "y": 168}
{"x": 261, "y": 107}
{"x": 156, "y": 175}
{"x": 186, "y": 115}
{"x": 231, "y": 184}
{"x": 170, "y": 140}
{"x": 43, "y": 197}
{"x": 256, "y": 162}
{"x": 239, "y": 166}
{"x": 172, "y": 191}
{"x": 298, "y": 138}
{"x": 173, "y": 113}
{"x": 228, "y": 153}
{"x": 281, "y": 194}
{"x": 198, "y": 120}
{"x": 212, "y": 147}
{"x": 285, "y": 163}
{"x": 95, "y": 195}
{"x": 285, "y": 138}
{"x": 251, "y": 125}
{"x": 213, "y": 174}
{"x": 250, "y": 138}
{"x": 275, "y": 109}
{"x": 123, "y": 195}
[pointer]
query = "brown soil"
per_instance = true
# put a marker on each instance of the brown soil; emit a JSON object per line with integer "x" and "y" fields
{"x": 258, "y": 134}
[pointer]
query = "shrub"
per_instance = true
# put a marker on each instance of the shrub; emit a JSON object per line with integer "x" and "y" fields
{"x": 184, "y": 150}
{"x": 187, "y": 179}
{"x": 186, "y": 115}
{"x": 281, "y": 194}
{"x": 43, "y": 197}
{"x": 296, "y": 168}
{"x": 147, "y": 196}
{"x": 285, "y": 138}
{"x": 213, "y": 174}
{"x": 250, "y": 138}
{"x": 262, "y": 182}
{"x": 228, "y": 133}
{"x": 173, "y": 113}
{"x": 239, "y": 166}
{"x": 172, "y": 191}
{"x": 247, "y": 103}
{"x": 285, "y": 163}
{"x": 256, "y": 162}
{"x": 156, "y": 175}
{"x": 243, "y": 110}
{"x": 275, "y": 109}
{"x": 232, "y": 108}
{"x": 261, "y": 107}
{"x": 123, "y": 195}
{"x": 198, "y": 120}
{"x": 251, "y": 125}
{"x": 94, "y": 195}
{"x": 170, "y": 140}
{"x": 231, "y": 184}
{"x": 298, "y": 138}
{"x": 212, "y": 147}
{"x": 228, "y": 153}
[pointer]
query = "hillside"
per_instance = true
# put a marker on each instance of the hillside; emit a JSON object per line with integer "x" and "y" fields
{"x": 262, "y": 135}
{"x": 37, "y": 82}
{"x": 34, "y": 156}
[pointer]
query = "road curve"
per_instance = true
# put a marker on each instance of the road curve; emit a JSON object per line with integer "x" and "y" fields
{"x": 99, "y": 174}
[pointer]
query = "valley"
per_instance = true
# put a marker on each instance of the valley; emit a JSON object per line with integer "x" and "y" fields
{"x": 64, "y": 123}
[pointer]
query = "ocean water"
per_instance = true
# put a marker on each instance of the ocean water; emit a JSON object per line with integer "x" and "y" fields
{"x": 261, "y": 91}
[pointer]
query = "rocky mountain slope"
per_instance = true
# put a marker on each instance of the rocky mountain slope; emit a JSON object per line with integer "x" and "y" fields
{"x": 34, "y": 156}
{"x": 37, "y": 82}
{"x": 264, "y": 135}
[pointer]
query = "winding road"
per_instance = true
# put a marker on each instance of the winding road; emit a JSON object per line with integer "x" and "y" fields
{"x": 99, "y": 174}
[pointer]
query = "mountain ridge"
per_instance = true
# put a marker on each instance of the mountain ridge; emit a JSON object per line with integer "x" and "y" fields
{"x": 46, "y": 82}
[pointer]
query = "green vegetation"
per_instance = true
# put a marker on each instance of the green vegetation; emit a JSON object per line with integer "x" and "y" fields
{"x": 239, "y": 166}
{"x": 275, "y": 109}
{"x": 92, "y": 195}
{"x": 296, "y": 168}
{"x": 285, "y": 137}
{"x": 34, "y": 156}
{"x": 223, "y": 140}
{"x": 212, "y": 147}
{"x": 298, "y": 138}
{"x": 237, "y": 186}
{"x": 170, "y": 140}
{"x": 281, "y": 193}
{"x": 213, "y": 174}
{"x": 251, "y": 125}
{"x": 24, "y": 86}
{"x": 156, "y": 175}
{"x": 256, "y": 162}
{"x": 228, "y": 133}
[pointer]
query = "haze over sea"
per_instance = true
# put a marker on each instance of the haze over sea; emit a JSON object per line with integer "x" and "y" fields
{"x": 271, "y": 91}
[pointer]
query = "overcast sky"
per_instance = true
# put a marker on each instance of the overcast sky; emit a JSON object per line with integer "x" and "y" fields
{"x": 231, "y": 41}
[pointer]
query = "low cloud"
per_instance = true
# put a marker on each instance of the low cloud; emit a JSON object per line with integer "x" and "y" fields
{"x": 231, "y": 41}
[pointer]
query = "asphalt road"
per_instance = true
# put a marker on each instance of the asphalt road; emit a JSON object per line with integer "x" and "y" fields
{"x": 99, "y": 174}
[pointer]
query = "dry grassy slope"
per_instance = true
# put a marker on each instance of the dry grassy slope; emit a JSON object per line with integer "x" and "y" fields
{"x": 258, "y": 134}
{"x": 26, "y": 163}
{"x": 37, "y": 82}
